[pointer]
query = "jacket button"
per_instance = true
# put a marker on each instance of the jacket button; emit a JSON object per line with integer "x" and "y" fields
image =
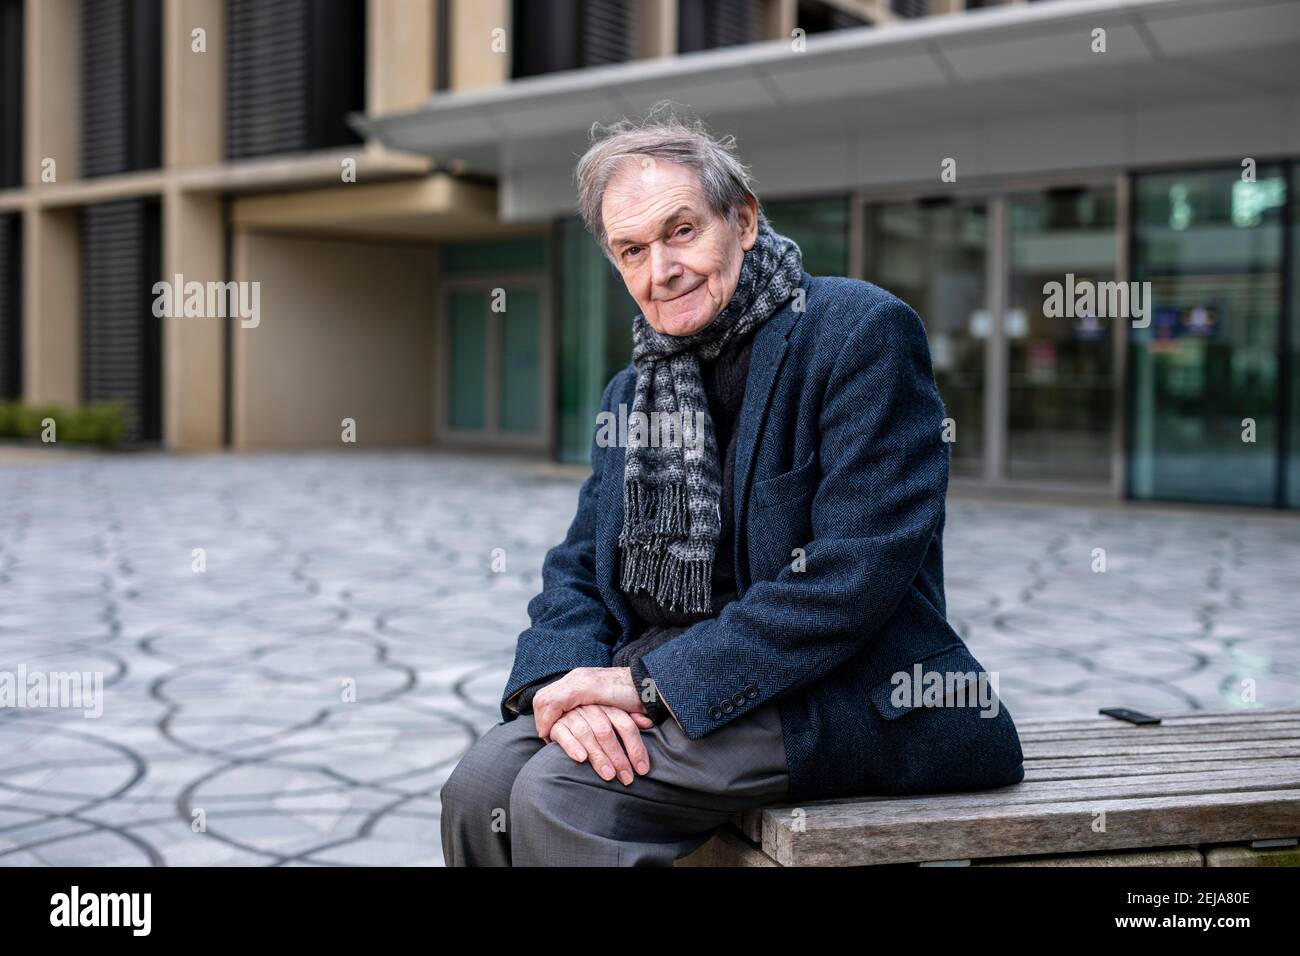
{"x": 728, "y": 707}
{"x": 715, "y": 712}
{"x": 738, "y": 699}
{"x": 751, "y": 692}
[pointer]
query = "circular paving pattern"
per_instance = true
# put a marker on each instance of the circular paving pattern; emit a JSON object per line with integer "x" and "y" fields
{"x": 301, "y": 699}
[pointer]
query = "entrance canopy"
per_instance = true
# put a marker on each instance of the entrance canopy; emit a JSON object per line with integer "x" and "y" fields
{"x": 1004, "y": 91}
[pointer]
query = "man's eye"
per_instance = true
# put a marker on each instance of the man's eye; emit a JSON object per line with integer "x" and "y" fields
{"x": 627, "y": 253}
{"x": 682, "y": 229}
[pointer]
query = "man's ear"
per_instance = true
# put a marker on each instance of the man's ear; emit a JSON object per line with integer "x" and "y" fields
{"x": 748, "y": 216}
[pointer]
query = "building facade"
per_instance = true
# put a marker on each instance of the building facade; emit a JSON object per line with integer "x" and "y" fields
{"x": 395, "y": 176}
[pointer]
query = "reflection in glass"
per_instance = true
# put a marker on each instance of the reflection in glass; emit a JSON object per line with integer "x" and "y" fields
{"x": 931, "y": 254}
{"x": 1060, "y": 372}
{"x": 1293, "y": 350}
{"x": 595, "y": 337}
{"x": 820, "y": 227}
{"x": 1204, "y": 372}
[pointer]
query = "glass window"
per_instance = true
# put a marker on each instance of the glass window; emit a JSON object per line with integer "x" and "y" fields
{"x": 820, "y": 227}
{"x": 468, "y": 312}
{"x": 1060, "y": 384}
{"x": 1293, "y": 350}
{"x": 521, "y": 361}
{"x": 931, "y": 254}
{"x": 596, "y": 314}
{"x": 1204, "y": 372}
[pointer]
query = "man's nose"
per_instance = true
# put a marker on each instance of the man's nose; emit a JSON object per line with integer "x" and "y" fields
{"x": 664, "y": 266}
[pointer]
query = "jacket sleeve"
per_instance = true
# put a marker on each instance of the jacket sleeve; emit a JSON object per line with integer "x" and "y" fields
{"x": 522, "y": 700}
{"x": 571, "y": 626}
{"x": 876, "y": 508}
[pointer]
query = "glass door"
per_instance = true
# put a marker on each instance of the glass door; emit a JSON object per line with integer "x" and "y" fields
{"x": 1030, "y": 389}
{"x": 494, "y": 368}
{"x": 1057, "y": 330}
{"x": 932, "y": 255}
{"x": 1205, "y": 409}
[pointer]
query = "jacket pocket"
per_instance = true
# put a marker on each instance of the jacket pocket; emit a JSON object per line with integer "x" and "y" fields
{"x": 956, "y": 666}
{"x": 787, "y": 486}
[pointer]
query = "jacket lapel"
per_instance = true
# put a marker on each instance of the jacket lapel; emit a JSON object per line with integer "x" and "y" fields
{"x": 770, "y": 344}
{"x": 608, "y": 527}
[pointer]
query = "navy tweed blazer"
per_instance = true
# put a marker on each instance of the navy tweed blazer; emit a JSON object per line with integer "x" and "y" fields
{"x": 840, "y": 453}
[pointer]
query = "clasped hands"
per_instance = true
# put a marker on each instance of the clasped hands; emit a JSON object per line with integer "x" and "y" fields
{"x": 587, "y": 712}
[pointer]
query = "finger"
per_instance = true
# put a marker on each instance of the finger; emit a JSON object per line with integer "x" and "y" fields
{"x": 641, "y": 720}
{"x": 545, "y": 714}
{"x": 577, "y": 722}
{"x": 568, "y": 743}
{"x": 549, "y": 706}
{"x": 631, "y": 737}
{"x": 599, "y": 722}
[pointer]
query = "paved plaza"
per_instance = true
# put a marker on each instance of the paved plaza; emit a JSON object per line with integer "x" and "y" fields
{"x": 296, "y": 648}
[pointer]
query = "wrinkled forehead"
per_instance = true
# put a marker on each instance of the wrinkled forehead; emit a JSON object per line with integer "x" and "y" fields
{"x": 642, "y": 196}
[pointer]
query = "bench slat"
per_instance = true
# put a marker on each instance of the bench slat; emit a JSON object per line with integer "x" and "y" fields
{"x": 1231, "y": 718}
{"x": 1200, "y": 777}
{"x": 1254, "y": 732}
{"x": 1274, "y": 775}
{"x": 1071, "y": 768}
{"x": 1028, "y": 829}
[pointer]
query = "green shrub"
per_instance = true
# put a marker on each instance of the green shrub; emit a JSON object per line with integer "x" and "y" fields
{"x": 100, "y": 423}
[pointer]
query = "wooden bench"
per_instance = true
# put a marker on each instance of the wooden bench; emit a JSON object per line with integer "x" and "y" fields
{"x": 1198, "y": 789}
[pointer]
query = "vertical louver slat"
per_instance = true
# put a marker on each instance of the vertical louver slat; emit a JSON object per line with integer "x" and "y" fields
{"x": 11, "y": 312}
{"x": 910, "y": 8}
{"x": 706, "y": 24}
{"x": 545, "y": 36}
{"x": 120, "y": 84}
{"x": 692, "y": 26}
{"x": 121, "y": 338}
{"x": 104, "y": 93}
{"x": 267, "y": 69}
{"x": 734, "y": 22}
{"x": 606, "y": 26}
{"x": 295, "y": 69}
{"x": 336, "y": 64}
{"x": 843, "y": 20}
{"x": 11, "y": 93}
{"x": 144, "y": 84}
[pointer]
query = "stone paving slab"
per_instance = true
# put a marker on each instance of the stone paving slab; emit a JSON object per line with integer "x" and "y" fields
{"x": 301, "y": 699}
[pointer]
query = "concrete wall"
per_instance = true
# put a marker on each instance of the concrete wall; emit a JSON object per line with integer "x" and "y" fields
{"x": 345, "y": 331}
{"x": 400, "y": 54}
{"x": 474, "y": 63}
{"x": 52, "y": 306}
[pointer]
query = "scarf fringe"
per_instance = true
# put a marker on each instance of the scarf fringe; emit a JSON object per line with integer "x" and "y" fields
{"x": 655, "y": 510}
{"x": 679, "y": 584}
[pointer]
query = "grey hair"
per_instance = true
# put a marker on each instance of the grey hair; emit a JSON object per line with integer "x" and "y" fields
{"x": 725, "y": 181}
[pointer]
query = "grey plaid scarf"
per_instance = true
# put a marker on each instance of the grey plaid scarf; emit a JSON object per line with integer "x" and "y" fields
{"x": 672, "y": 489}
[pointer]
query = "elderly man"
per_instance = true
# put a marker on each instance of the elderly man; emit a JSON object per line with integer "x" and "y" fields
{"x": 733, "y": 615}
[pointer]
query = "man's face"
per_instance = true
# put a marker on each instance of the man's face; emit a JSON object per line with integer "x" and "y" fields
{"x": 679, "y": 260}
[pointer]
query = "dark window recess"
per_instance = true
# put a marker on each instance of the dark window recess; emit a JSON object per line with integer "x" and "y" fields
{"x": 910, "y": 8}
{"x": 11, "y": 307}
{"x": 11, "y": 93}
{"x": 121, "y": 345}
{"x": 554, "y": 35}
{"x": 121, "y": 83}
{"x": 294, "y": 70}
{"x": 817, "y": 16}
{"x": 707, "y": 24}
{"x": 442, "y": 47}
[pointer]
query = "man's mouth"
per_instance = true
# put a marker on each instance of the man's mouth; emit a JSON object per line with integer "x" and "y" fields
{"x": 682, "y": 294}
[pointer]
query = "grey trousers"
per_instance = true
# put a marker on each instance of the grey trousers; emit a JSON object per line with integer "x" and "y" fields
{"x": 514, "y": 800}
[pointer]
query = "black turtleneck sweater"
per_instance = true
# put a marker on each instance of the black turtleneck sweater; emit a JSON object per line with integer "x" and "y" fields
{"x": 653, "y": 624}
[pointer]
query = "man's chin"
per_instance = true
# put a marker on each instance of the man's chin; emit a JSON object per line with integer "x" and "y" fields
{"x": 687, "y": 323}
